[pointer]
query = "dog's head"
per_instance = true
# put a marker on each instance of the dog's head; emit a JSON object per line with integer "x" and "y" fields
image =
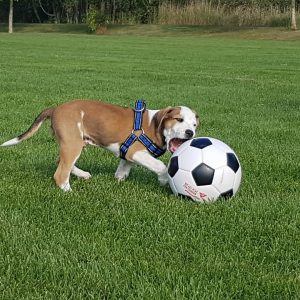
{"x": 177, "y": 125}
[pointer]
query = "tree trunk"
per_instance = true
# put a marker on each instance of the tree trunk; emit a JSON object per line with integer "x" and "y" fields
{"x": 294, "y": 25}
{"x": 102, "y": 7}
{"x": 114, "y": 12}
{"x": 56, "y": 13}
{"x": 76, "y": 12}
{"x": 10, "y": 17}
{"x": 35, "y": 11}
{"x": 86, "y": 8}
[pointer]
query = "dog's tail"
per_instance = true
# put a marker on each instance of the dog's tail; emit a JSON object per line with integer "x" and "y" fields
{"x": 46, "y": 114}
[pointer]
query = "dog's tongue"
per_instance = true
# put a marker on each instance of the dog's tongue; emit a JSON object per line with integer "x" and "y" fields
{"x": 174, "y": 144}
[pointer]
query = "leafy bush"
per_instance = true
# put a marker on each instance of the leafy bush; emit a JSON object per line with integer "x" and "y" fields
{"x": 95, "y": 19}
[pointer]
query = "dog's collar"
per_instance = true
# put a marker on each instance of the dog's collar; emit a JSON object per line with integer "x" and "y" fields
{"x": 139, "y": 109}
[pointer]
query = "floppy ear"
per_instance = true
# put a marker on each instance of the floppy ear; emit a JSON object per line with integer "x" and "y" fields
{"x": 197, "y": 117}
{"x": 162, "y": 115}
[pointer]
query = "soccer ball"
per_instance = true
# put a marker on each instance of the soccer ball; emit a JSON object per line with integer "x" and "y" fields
{"x": 204, "y": 169}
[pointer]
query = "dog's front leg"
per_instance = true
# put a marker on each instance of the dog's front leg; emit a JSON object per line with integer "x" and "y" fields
{"x": 145, "y": 159}
{"x": 123, "y": 170}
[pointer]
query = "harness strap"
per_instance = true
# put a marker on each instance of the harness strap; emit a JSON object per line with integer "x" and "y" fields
{"x": 140, "y": 107}
{"x": 125, "y": 146}
{"x": 152, "y": 148}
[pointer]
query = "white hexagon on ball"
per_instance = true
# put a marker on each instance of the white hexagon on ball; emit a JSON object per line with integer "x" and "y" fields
{"x": 188, "y": 158}
{"x": 224, "y": 179}
{"x": 214, "y": 156}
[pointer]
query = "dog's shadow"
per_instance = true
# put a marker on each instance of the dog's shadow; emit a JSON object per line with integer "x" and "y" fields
{"x": 99, "y": 163}
{"x": 139, "y": 176}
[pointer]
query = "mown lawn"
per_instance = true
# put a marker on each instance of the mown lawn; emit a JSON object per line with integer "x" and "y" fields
{"x": 136, "y": 240}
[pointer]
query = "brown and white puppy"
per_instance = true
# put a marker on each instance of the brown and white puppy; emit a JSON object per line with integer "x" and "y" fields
{"x": 81, "y": 122}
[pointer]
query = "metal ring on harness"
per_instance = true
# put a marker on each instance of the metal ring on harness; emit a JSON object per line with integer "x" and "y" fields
{"x": 134, "y": 130}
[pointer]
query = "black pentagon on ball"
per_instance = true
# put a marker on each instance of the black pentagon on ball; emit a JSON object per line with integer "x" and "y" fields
{"x": 227, "y": 195}
{"x": 232, "y": 162}
{"x": 201, "y": 143}
{"x": 173, "y": 167}
{"x": 203, "y": 175}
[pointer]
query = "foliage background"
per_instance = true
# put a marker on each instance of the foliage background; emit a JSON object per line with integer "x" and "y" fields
{"x": 115, "y": 11}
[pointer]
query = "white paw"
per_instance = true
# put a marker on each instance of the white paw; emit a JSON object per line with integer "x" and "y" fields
{"x": 66, "y": 187}
{"x": 85, "y": 175}
{"x": 163, "y": 179}
{"x": 121, "y": 176}
{"x": 80, "y": 173}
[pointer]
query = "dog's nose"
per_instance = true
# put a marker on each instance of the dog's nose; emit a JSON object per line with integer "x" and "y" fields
{"x": 189, "y": 133}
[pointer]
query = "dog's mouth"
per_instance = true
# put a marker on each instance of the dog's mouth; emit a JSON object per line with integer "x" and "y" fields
{"x": 175, "y": 143}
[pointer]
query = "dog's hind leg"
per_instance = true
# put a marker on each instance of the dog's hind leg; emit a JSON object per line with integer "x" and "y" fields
{"x": 69, "y": 153}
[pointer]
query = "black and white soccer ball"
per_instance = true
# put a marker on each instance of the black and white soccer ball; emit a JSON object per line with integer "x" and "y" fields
{"x": 204, "y": 169}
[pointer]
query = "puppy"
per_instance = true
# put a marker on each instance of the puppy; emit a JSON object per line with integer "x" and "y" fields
{"x": 79, "y": 123}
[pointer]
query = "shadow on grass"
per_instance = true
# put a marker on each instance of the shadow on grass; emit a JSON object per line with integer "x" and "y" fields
{"x": 137, "y": 29}
{"x": 269, "y": 33}
{"x": 169, "y": 30}
{"x": 46, "y": 28}
{"x": 138, "y": 175}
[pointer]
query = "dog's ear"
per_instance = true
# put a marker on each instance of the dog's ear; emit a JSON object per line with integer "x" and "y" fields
{"x": 162, "y": 115}
{"x": 197, "y": 117}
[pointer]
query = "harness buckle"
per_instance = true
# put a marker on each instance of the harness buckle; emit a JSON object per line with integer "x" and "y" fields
{"x": 135, "y": 130}
{"x": 139, "y": 110}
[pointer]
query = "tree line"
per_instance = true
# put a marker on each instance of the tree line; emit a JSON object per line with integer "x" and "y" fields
{"x": 113, "y": 11}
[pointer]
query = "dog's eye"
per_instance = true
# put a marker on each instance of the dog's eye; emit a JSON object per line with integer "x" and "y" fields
{"x": 180, "y": 120}
{"x": 195, "y": 125}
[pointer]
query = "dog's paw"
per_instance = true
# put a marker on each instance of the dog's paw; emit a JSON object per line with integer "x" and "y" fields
{"x": 121, "y": 176}
{"x": 163, "y": 179}
{"x": 80, "y": 173}
{"x": 66, "y": 187}
{"x": 85, "y": 175}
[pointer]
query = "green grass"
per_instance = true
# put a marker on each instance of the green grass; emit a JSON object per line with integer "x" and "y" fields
{"x": 136, "y": 240}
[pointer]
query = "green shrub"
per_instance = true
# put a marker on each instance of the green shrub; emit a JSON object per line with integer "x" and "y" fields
{"x": 95, "y": 19}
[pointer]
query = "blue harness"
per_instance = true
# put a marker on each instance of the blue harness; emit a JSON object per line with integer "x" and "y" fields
{"x": 140, "y": 107}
